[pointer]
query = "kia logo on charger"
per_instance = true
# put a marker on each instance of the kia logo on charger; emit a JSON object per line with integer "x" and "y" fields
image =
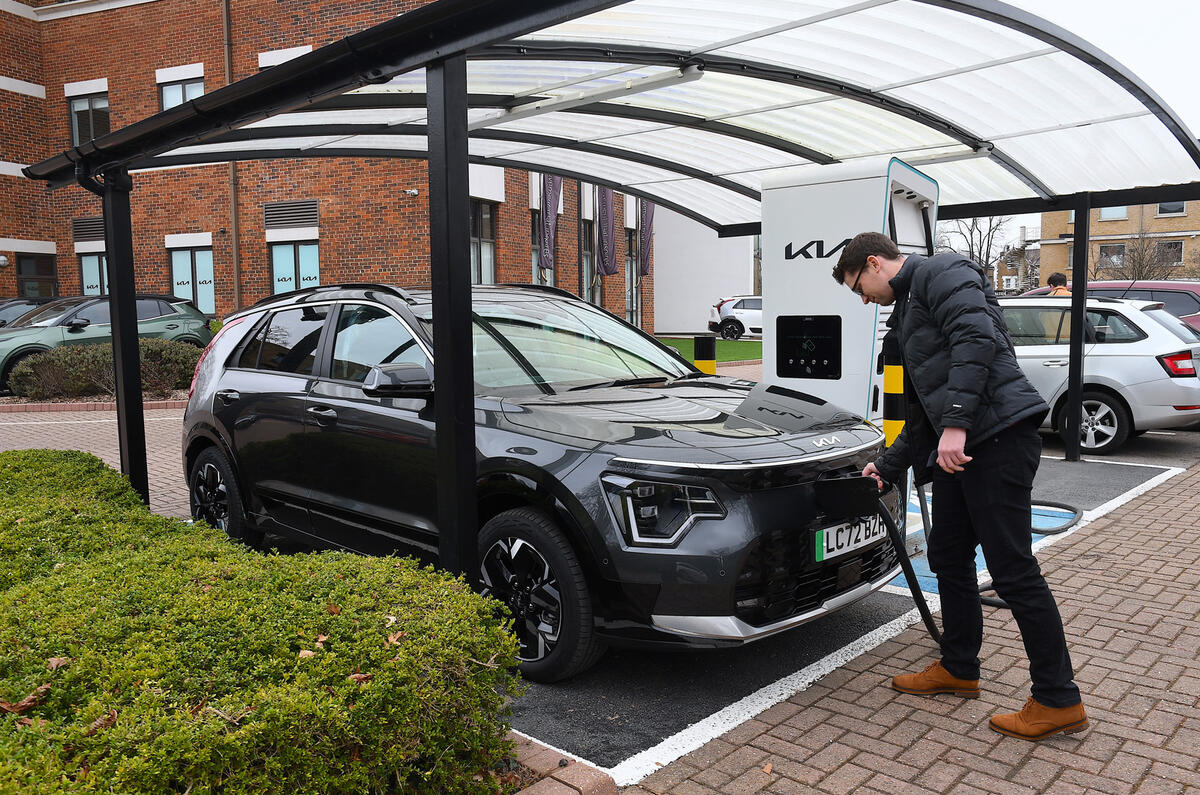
{"x": 804, "y": 251}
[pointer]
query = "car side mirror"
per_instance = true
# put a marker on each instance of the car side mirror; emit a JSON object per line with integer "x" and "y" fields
{"x": 78, "y": 324}
{"x": 402, "y": 379}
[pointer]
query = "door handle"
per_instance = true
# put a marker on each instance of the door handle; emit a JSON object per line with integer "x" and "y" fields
{"x": 323, "y": 414}
{"x": 172, "y": 325}
{"x": 228, "y": 396}
{"x": 1055, "y": 363}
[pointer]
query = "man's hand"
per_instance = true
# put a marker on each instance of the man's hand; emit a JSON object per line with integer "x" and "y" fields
{"x": 869, "y": 471}
{"x": 951, "y": 457}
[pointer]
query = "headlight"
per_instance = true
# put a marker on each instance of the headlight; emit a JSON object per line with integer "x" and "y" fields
{"x": 652, "y": 513}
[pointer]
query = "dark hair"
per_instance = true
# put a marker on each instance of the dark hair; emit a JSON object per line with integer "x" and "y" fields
{"x": 1057, "y": 279}
{"x": 854, "y": 255}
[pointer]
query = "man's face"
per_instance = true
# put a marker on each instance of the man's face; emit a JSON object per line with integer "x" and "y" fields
{"x": 871, "y": 283}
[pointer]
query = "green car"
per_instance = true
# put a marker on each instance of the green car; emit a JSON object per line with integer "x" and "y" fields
{"x": 84, "y": 320}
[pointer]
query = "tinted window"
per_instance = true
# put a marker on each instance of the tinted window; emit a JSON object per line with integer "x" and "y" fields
{"x": 368, "y": 335}
{"x": 49, "y": 314}
{"x": 1140, "y": 295}
{"x": 1033, "y": 325}
{"x": 1176, "y": 302}
{"x": 249, "y": 356}
{"x": 752, "y": 303}
{"x": 14, "y": 310}
{"x": 289, "y": 341}
{"x": 1173, "y": 324}
{"x": 1108, "y": 292}
{"x": 1110, "y": 327}
{"x": 148, "y": 308}
{"x": 97, "y": 313}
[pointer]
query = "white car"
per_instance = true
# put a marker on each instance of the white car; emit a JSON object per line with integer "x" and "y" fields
{"x": 1139, "y": 366}
{"x": 736, "y": 316}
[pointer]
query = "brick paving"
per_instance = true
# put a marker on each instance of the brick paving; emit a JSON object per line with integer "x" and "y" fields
{"x": 96, "y": 432}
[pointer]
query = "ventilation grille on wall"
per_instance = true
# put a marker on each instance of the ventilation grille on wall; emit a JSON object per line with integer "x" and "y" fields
{"x": 88, "y": 229}
{"x": 286, "y": 215}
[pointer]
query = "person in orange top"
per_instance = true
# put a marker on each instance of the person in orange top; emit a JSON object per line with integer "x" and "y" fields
{"x": 1058, "y": 284}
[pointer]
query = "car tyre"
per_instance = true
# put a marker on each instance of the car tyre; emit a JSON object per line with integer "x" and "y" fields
{"x": 12, "y": 365}
{"x": 215, "y": 498}
{"x": 527, "y": 563}
{"x": 731, "y": 329}
{"x": 1104, "y": 425}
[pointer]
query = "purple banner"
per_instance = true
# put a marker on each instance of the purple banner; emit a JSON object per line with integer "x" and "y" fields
{"x": 607, "y": 266}
{"x": 551, "y": 187}
{"x": 645, "y": 230}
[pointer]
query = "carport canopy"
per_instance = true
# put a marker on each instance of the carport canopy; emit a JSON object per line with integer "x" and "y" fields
{"x": 690, "y": 104}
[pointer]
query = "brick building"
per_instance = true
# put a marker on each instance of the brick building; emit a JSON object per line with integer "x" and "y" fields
{"x": 1150, "y": 241}
{"x": 228, "y": 234}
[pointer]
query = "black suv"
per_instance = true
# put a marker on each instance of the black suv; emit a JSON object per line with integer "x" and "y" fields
{"x": 623, "y": 496}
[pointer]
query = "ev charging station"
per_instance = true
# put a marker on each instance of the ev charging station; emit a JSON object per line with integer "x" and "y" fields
{"x": 818, "y": 337}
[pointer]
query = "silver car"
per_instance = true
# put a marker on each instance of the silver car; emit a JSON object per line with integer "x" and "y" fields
{"x": 736, "y": 316}
{"x": 1139, "y": 370}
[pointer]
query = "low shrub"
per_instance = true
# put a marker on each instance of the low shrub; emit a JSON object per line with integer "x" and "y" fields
{"x": 146, "y": 655}
{"x": 81, "y": 370}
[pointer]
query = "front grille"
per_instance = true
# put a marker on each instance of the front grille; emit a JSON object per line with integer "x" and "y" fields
{"x": 780, "y": 578}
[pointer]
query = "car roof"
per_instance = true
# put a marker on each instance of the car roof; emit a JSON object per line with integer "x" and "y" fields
{"x": 1065, "y": 300}
{"x": 420, "y": 299}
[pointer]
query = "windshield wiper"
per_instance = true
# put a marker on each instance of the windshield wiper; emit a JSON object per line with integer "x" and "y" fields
{"x": 691, "y": 375}
{"x": 654, "y": 379}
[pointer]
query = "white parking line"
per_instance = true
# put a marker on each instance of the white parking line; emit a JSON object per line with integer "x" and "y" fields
{"x": 642, "y": 764}
{"x": 83, "y": 422}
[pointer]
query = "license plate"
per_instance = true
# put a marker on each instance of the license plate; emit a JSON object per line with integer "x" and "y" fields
{"x": 832, "y": 542}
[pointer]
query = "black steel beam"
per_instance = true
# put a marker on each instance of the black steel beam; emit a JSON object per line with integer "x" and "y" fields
{"x": 122, "y": 302}
{"x": 409, "y": 41}
{"x": 450, "y": 255}
{"x": 1187, "y": 191}
{"x": 1079, "y": 264}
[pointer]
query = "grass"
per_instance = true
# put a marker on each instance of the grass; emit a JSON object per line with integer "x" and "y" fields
{"x": 727, "y": 350}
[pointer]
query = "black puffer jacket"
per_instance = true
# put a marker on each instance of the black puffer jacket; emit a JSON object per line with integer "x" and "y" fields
{"x": 959, "y": 365}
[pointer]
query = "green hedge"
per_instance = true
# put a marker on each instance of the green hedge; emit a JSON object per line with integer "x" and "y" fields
{"x": 80, "y": 370}
{"x": 174, "y": 661}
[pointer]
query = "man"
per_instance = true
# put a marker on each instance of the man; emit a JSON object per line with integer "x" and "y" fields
{"x": 1058, "y": 284}
{"x": 972, "y": 413}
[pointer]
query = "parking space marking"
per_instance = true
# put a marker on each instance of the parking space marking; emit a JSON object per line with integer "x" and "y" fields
{"x": 88, "y": 422}
{"x": 642, "y": 764}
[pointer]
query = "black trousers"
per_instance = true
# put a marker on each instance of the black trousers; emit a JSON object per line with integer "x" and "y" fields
{"x": 988, "y": 504}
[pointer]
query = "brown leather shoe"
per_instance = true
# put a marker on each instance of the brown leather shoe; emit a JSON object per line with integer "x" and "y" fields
{"x": 1037, "y": 722}
{"x": 936, "y": 679}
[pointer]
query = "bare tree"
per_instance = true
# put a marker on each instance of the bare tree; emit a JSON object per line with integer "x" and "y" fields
{"x": 980, "y": 239}
{"x": 1140, "y": 256}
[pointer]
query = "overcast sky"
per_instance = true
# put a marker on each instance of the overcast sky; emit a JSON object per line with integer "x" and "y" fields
{"x": 1157, "y": 40}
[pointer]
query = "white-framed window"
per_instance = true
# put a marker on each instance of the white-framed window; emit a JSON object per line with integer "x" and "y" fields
{"x": 483, "y": 242}
{"x": 1112, "y": 255}
{"x": 89, "y": 117}
{"x": 1169, "y": 252}
{"x": 192, "y": 277}
{"x": 1172, "y": 208}
{"x": 1070, "y": 216}
{"x": 295, "y": 265}
{"x": 179, "y": 92}
{"x": 633, "y": 287}
{"x": 1113, "y": 213}
{"x": 591, "y": 283}
{"x": 93, "y": 274}
{"x": 540, "y": 276}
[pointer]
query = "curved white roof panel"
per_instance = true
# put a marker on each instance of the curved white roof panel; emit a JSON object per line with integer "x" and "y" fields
{"x": 693, "y": 103}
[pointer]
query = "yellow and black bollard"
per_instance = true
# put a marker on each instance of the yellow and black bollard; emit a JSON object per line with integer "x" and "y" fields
{"x": 704, "y": 353}
{"x": 893, "y": 389}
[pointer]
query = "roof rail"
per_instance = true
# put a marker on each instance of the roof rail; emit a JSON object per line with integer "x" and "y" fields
{"x": 549, "y": 288}
{"x": 399, "y": 292}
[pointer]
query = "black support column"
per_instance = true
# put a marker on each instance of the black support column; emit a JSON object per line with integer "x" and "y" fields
{"x": 1083, "y": 211}
{"x": 454, "y": 400}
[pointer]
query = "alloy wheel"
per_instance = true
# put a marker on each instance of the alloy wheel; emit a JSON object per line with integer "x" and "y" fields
{"x": 1098, "y": 424}
{"x": 516, "y": 573}
{"x": 210, "y": 497}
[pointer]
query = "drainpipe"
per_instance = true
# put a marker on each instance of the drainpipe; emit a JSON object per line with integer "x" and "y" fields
{"x": 234, "y": 225}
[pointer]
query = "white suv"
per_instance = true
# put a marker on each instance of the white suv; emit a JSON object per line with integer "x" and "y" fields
{"x": 737, "y": 315}
{"x": 1139, "y": 369}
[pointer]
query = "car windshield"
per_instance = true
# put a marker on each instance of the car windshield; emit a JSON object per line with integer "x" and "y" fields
{"x": 546, "y": 346}
{"x": 49, "y": 314}
{"x": 1173, "y": 324}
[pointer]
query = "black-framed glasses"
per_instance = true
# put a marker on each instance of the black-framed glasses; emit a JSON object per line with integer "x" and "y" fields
{"x": 854, "y": 287}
